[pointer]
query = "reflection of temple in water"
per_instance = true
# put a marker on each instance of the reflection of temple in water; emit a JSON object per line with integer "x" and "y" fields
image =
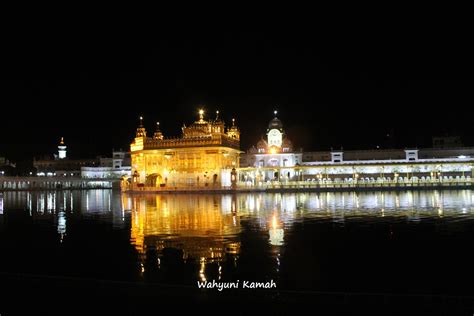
{"x": 201, "y": 227}
{"x": 204, "y": 227}
{"x": 58, "y": 205}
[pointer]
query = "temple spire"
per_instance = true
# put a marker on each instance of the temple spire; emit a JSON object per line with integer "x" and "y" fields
{"x": 233, "y": 131}
{"x": 158, "y": 134}
{"x": 141, "y": 132}
{"x": 62, "y": 149}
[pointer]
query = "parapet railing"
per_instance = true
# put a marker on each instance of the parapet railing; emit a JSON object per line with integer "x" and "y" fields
{"x": 190, "y": 142}
{"x": 393, "y": 183}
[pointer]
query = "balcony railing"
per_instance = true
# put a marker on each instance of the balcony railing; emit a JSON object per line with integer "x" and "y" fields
{"x": 359, "y": 183}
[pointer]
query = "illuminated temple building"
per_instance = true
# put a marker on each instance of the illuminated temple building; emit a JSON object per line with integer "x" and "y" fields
{"x": 205, "y": 155}
{"x": 274, "y": 156}
{"x": 273, "y": 163}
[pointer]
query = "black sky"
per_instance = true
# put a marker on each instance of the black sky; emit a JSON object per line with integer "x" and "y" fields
{"x": 348, "y": 90}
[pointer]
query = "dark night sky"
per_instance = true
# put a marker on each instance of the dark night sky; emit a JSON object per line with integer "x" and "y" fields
{"x": 347, "y": 90}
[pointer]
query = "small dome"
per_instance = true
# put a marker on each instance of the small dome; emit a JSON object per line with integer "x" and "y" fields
{"x": 287, "y": 143}
{"x": 275, "y": 123}
{"x": 262, "y": 144}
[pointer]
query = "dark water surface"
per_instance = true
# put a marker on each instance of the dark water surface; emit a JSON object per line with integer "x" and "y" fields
{"x": 395, "y": 242}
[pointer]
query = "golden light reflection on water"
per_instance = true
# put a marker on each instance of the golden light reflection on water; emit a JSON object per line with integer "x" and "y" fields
{"x": 276, "y": 232}
{"x": 204, "y": 227}
{"x": 208, "y": 229}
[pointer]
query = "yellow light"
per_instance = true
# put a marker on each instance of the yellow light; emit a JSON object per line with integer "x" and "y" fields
{"x": 272, "y": 151}
{"x": 201, "y": 112}
{"x": 274, "y": 222}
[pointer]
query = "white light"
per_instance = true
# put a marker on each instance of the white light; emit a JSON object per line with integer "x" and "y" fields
{"x": 462, "y": 157}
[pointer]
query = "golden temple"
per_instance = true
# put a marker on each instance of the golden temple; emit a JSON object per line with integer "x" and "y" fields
{"x": 205, "y": 155}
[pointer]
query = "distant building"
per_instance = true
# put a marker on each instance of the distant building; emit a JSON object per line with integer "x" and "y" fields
{"x": 115, "y": 167}
{"x": 5, "y": 166}
{"x": 60, "y": 165}
{"x": 274, "y": 162}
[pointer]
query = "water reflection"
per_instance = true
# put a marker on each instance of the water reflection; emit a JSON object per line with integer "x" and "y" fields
{"x": 61, "y": 224}
{"x": 208, "y": 229}
{"x": 185, "y": 228}
{"x": 59, "y": 205}
{"x": 342, "y": 205}
{"x": 276, "y": 233}
{"x": 181, "y": 238}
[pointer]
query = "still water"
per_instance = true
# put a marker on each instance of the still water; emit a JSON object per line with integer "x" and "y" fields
{"x": 398, "y": 242}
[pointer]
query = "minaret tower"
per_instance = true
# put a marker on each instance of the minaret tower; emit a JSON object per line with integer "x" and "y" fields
{"x": 275, "y": 134}
{"x": 61, "y": 149}
{"x": 233, "y": 131}
{"x": 218, "y": 125}
{"x": 141, "y": 132}
{"x": 140, "y": 137}
{"x": 158, "y": 134}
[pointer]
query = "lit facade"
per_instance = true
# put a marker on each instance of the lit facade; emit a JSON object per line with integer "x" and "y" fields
{"x": 274, "y": 164}
{"x": 116, "y": 167}
{"x": 60, "y": 165}
{"x": 274, "y": 156}
{"x": 204, "y": 156}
